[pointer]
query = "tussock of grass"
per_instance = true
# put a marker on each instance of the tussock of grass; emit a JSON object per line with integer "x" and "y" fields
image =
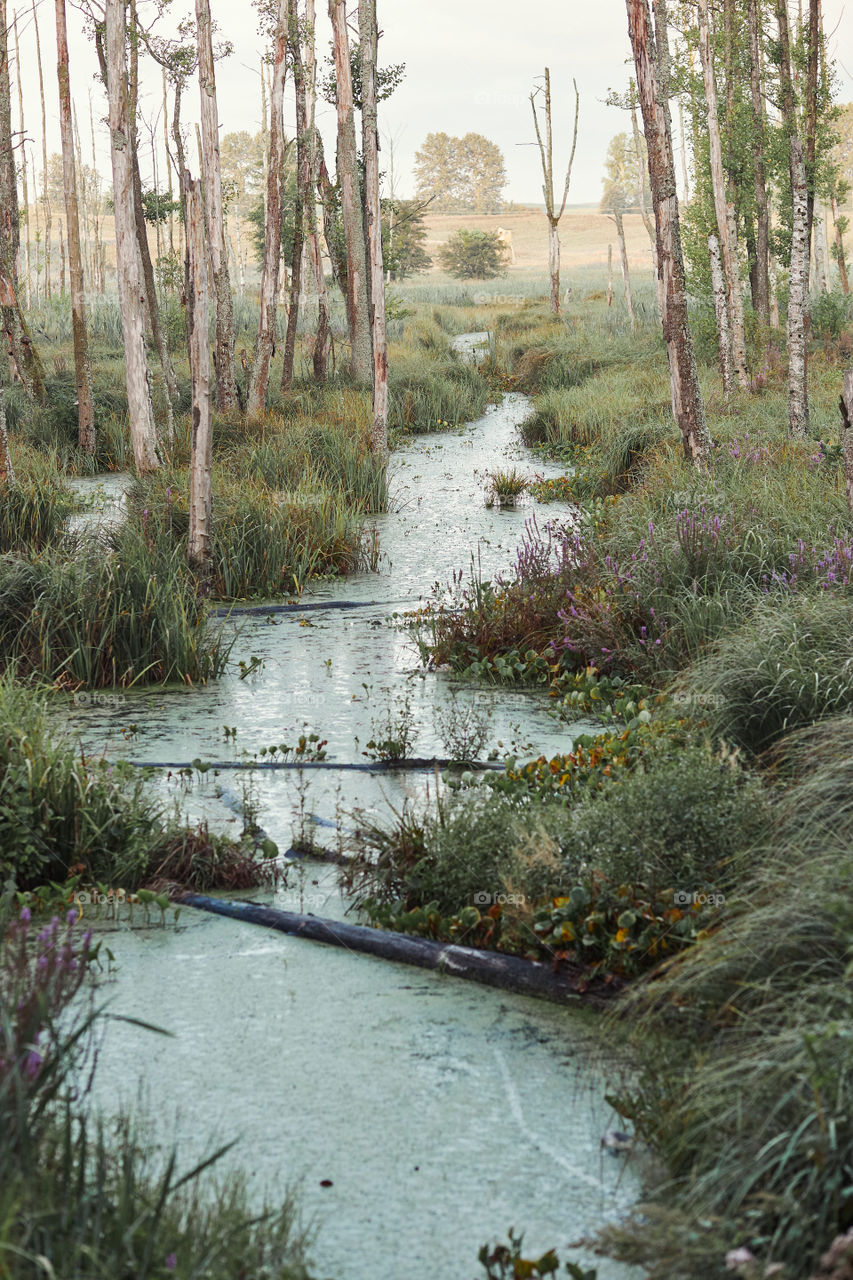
{"x": 102, "y": 621}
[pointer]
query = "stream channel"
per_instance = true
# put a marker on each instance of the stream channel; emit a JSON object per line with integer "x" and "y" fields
{"x": 440, "y": 1112}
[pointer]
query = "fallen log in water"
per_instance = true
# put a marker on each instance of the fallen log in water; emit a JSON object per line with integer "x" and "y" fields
{"x": 510, "y": 973}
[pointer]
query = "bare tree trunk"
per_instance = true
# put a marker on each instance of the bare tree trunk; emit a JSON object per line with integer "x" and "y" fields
{"x": 846, "y": 406}
{"x": 839, "y": 247}
{"x": 687, "y": 405}
{"x": 814, "y": 41}
{"x": 130, "y": 288}
{"x": 369, "y": 40}
{"x": 45, "y": 197}
{"x": 683, "y": 150}
{"x": 546, "y": 155}
{"x": 798, "y": 396}
{"x": 226, "y": 387}
{"x": 820, "y": 279}
{"x": 307, "y": 84}
{"x": 96, "y": 226}
{"x": 736, "y": 327}
{"x": 610, "y": 275}
{"x": 762, "y": 208}
{"x": 199, "y": 541}
{"x": 358, "y": 319}
{"x": 626, "y": 276}
{"x": 24, "y": 166}
{"x": 721, "y": 310}
{"x": 298, "y": 217}
{"x": 82, "y": 367}
{"x": 7, "y": 471}
{"x": 19, "y": 346}
{"x": 265, "y": 340}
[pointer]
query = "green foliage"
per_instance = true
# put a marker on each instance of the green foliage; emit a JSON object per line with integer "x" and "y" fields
{"x": 460, "y": 175}
{"x": 830, "y": 314}
{"x": 505, "y": 1262}
{"x": 473, "y": 255}
{"x": 404, "y": 235}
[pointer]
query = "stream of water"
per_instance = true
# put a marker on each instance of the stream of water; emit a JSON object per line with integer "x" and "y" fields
{"x": 441, "y": 1113}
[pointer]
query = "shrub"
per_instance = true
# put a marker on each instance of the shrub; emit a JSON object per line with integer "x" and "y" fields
{"x": 474, "y": 255}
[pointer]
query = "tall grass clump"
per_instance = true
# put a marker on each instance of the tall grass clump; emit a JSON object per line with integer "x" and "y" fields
{"x": 34, "y": 509}
{"x": 265, "y": 543}
{"x": 102, "y": 620}
{"x": 58, "y": 810}
{"x": 426, "y": 393}
{"x": 787, "y": 667}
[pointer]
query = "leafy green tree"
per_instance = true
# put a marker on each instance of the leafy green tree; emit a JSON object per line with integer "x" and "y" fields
{"x": 460, "y": 175}
{"x": 474, "y": 255}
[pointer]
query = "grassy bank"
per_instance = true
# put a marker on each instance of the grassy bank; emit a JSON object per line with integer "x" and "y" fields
{"x": 698, "y": 843}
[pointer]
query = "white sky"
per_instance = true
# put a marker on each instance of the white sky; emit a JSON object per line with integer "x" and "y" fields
{"x": 470, "y": 68}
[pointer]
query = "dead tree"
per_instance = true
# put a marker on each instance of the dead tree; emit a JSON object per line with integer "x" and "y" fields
{"x": 546, "y": 155}
{"x": 130, "y": 285}
{"x": 226, "y": 387}
{"x": 798, "y": 396}
{"x": 22, "y": 355}
{"x": 358, "y": 318}
{"x": 734, "y": 298}
{"x": 369, "y": 41}
{"x": 265, "y": 340}
{"x": 687, "y": 405}
{"x": 306, "y": 97}
{"x": 82, "y": 367}
{"x": 25, "y": 212}
{"x": 45, "y": 194}
{"x": 199, "y": 541}
{"x": 298, "y": 220}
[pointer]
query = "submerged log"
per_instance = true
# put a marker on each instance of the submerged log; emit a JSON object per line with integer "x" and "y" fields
{"x": 510, "y": 973}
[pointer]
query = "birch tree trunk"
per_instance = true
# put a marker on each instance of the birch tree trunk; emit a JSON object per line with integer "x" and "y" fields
{"x": 721, "y": 310}
{"x": 358, "y": 319}
{"x": 626, "y": 276}
{"x": 48, "y": 220}
{"x": 265, "y": 340}
{"x": 19, "y": 346}
{"x": 839, "y": 247}
{"x": 736, "y": 325}
{"x": 82, "y": 367}
{"x": 24, "y": 165}
{"x": 130, "y": 288}
{"x": 199, "y": 541}
{"x": 307, "y": 84}
{"x": 298, "y": 217}
{"x": 610, "y": 275}
{"x": 798, "y": 398}
{"x": 7, "y": 471}
{"x": 226, "y": 386}
{"x": 762, "y": 208}
{"x": 687, "y": 405}
{"x": 369, "y": 41}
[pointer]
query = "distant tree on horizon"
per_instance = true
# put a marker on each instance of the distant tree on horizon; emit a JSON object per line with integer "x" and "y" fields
{"x": 460, "y": 175}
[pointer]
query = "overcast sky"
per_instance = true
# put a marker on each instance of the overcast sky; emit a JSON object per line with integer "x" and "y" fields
{"x": 470, "y": 66}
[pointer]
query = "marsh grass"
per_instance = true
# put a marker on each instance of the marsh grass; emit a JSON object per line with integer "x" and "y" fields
{"x": 101, "y": 620}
